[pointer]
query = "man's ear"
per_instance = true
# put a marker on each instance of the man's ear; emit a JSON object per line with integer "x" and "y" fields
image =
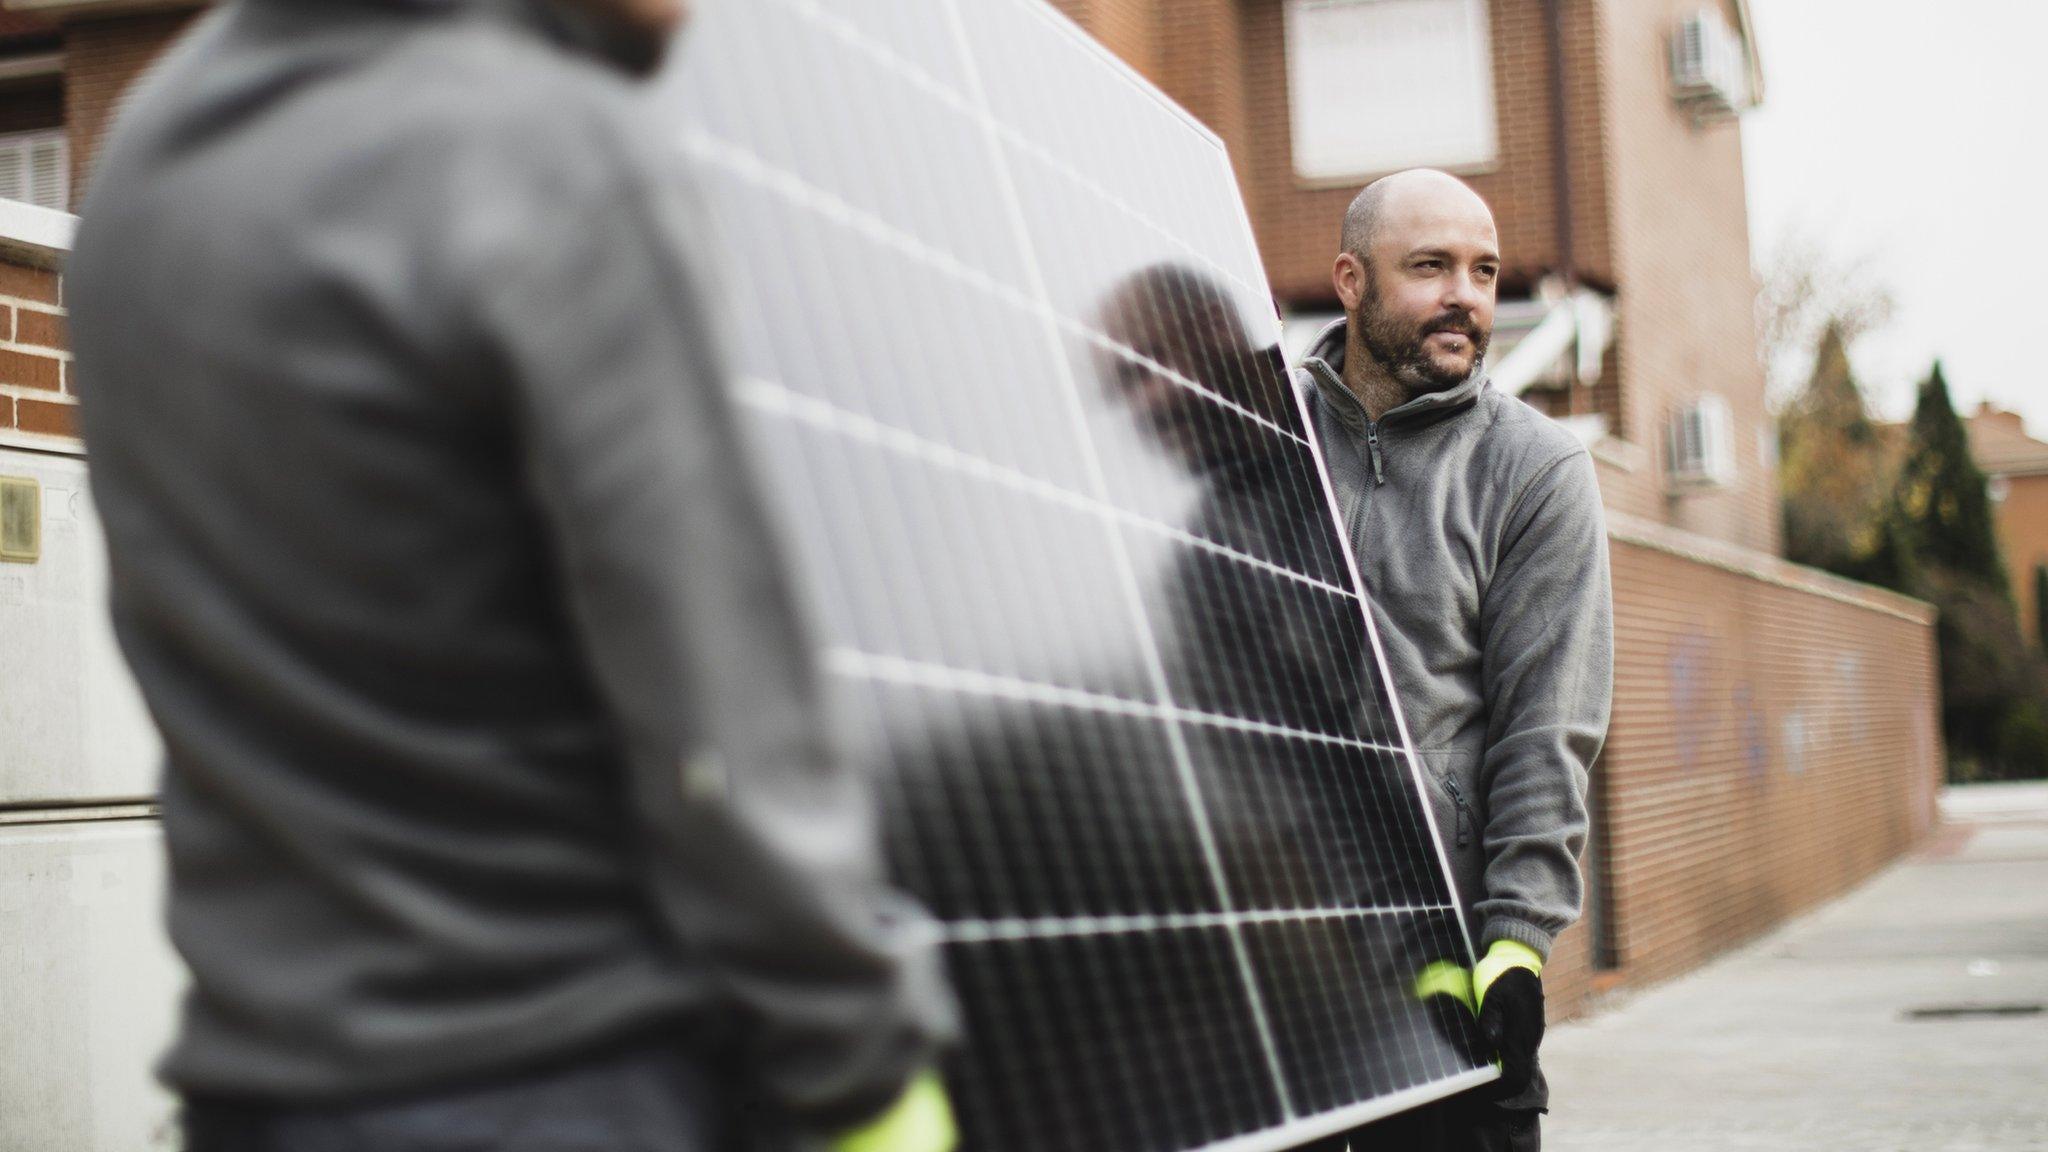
{"x": 1348, "y": 277}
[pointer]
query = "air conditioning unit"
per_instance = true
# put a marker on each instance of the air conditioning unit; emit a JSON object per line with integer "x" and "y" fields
{"x": 1701, "y": 449}
{"x": 1709, "y": 67}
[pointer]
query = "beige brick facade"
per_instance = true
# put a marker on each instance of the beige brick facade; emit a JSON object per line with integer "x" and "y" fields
{"x": 2016, "y": 466}
{"x": 1679, "y": 230}
{"x": 2023, "y": 534}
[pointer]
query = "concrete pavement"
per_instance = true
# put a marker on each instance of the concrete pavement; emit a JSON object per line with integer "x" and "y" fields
{"x": 1911, "y": 1014}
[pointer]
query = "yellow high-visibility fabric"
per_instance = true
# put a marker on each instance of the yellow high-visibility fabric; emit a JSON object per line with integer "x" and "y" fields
{"x": 921, "y": 1120}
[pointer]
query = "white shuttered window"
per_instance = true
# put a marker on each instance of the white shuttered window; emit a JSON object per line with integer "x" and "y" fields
{"x": 1376, "y": 86}
{"x": 35, "y": 167}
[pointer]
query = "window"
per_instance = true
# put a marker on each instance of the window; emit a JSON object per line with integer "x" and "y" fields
{"x": 1380, "y": 85}
{"x": 35, "y": 168}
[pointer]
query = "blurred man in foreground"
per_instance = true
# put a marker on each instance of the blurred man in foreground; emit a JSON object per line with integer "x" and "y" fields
{"x": 498, "y": 810}
{"x": 1476, "y": 522}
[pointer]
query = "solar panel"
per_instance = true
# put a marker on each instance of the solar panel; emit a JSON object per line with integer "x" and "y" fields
{"x": 1009, "y": 366}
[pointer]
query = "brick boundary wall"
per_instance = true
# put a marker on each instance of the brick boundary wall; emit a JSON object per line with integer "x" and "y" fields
{"x": 1775, "y": 741}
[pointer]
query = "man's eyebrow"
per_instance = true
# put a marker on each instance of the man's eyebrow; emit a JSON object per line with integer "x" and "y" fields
{"x": 1487, "y": 257}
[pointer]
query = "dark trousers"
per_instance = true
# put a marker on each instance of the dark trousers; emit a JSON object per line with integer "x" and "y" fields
{"x": 649, "y": 1098}
{"x": 1471, "y": 1121}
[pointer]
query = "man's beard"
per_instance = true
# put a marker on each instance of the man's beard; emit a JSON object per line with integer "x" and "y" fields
{"x": 1399, "y": 347}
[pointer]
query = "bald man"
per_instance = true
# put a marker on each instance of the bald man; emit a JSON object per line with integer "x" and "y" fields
{"x": 1477, "y": 526}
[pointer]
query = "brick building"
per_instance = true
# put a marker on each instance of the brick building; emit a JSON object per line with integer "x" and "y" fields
{"x": 2016, "y": 465}
{"x": 1775, "y": 735}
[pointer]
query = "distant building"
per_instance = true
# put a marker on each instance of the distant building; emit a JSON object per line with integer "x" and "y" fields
{"x": 2016, "y": 467}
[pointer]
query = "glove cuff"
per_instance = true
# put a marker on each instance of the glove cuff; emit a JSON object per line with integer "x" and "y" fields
{"x": 1502, "y": 956}
{"x": 921, "y": 1120}
{"x": 1500, "y": 927}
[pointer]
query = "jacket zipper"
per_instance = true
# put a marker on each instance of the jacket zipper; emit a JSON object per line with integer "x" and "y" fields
{"x": 1464, "y": 813}
{"x": 1372, "y": 450}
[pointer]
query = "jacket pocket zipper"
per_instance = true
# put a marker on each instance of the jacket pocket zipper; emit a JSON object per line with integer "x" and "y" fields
{"x": 1464, "y": 812}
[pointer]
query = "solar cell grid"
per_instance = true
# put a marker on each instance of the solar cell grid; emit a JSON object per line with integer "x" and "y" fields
{"x": 1010, "y": 371}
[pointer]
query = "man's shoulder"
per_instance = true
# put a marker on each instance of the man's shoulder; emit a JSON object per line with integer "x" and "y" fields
{"x": 1522, "y": 440}
{"x": 522, "y": 108}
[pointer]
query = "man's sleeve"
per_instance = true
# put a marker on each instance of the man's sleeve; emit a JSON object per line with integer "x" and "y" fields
{"x": 758, "y": 846}
{"x": 1547, "y": 624}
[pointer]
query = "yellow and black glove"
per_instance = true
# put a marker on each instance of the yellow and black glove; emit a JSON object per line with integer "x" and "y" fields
{"x": 1495, "y": 1008}
{"x": 1507, "y": 990}
{"x": 921, "y": 1120}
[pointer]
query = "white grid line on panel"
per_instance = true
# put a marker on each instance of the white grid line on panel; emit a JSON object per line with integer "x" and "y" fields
{"x": 1155, "y": 666}
{"x": 747, "y": 166}
{"x": 852, "y": 664}
{"x": 857, "y": 39}
{"x": 770, "y": 396}
{"x": 1046, "y": 927}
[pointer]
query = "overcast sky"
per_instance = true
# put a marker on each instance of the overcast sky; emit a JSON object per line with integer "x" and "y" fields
{"x": 1912, "y": 132}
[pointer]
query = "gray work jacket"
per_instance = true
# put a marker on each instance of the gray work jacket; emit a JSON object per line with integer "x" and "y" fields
{"x": 492, "y": 735}
{"x": 1477, "y": 526}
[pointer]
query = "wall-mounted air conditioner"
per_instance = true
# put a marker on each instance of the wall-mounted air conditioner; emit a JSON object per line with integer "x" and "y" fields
{"x": 1700, "y": 451}
{"x": 1709, "y": 66}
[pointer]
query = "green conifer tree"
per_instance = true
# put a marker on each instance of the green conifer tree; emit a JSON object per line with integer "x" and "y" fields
{"x": 1941, "y": 495}
{"x": 1943, "y": 512}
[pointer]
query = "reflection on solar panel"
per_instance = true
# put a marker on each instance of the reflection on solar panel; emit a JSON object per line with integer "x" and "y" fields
{"x": 1011, "y": 366}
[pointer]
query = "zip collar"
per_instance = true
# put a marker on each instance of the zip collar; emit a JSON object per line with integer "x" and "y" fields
{"x": 1324, "y": 365}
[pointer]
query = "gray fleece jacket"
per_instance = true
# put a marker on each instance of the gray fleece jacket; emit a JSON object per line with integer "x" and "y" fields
{"x": 1477, "y": 526}
{"x": 492, "y": 737}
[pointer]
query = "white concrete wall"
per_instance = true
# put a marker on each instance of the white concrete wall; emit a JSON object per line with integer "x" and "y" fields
{"x": 88, "y": 982}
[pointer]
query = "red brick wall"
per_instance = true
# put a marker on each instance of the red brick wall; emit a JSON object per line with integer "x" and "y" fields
{"x": 1774, "y": 741}
{"x": 101, "y": 58}
{"x": 38, "y": 401}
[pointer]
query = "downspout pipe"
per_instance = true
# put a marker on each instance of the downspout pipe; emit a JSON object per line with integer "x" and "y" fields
{"x": 1560, "y": 144}
{"x": 1561, "y": 169}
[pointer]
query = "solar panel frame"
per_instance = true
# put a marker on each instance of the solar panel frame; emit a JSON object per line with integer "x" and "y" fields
{"x": 824, "y": 437}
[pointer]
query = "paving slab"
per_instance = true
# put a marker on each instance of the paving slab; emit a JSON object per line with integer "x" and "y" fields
{"x": 1911, "y": 1014}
